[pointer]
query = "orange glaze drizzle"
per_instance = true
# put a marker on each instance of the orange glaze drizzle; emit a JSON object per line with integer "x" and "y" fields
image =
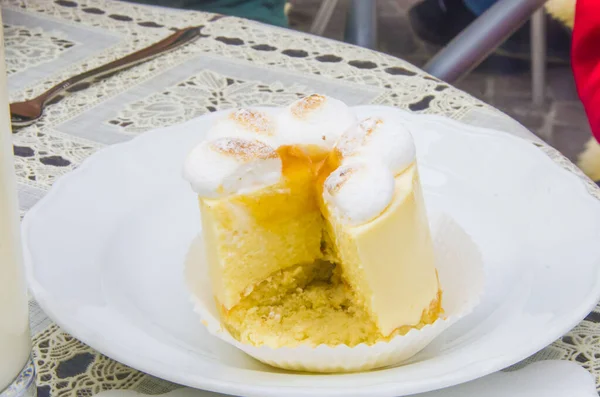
{"x": 298, "y": 160}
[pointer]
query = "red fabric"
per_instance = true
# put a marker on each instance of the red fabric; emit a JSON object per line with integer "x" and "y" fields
{"x": 585, "y": 59}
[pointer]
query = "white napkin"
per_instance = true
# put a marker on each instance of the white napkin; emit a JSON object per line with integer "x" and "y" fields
{"x": 542, "y": 379}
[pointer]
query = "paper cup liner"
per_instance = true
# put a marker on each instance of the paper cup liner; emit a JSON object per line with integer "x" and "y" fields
{"x": 461, "y": 275}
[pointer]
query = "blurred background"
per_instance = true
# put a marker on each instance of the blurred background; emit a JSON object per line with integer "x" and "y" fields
{"x": 415, "y": 30}
{"x": 503, "y": 80}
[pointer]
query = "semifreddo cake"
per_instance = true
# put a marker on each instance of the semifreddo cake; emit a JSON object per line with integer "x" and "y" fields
{"x": 314, "y": 226}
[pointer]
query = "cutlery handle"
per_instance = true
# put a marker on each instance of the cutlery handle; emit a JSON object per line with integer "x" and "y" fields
{"x": 177, "y": 39}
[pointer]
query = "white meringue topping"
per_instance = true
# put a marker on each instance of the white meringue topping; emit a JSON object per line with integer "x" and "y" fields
{"x": 314, "y": 120}
{"x": 246, "y": 124}
{"x": 227, "y": 166}
{"x": 379, "y": 138}
{"x": 240, "y": 154}
{"x": 358, "y": 191}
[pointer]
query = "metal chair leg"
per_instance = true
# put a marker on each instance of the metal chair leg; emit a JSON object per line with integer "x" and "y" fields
{"x": 323, "y": 17}
{"x": 361, "y": 25}
{"x": 538, "y": 57}
{"x": 479, "y": 39}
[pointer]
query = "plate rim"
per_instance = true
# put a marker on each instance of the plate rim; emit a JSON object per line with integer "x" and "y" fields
{"x": 457, "y": 376}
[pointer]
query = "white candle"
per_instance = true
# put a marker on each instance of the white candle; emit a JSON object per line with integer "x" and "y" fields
{"x": 15, "y": 341}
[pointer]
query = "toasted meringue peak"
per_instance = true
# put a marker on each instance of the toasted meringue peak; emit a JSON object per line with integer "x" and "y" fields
{"x": 227, "y": 166}
{"x": 245, "y": 123}
{"x": 303, "y": 107}
{"x": 253, "y": 120}
{"x": 358, "y": 192}
{"x": 242, "y": 149}
{"x": 314, "y": 120}
{"x": 379, "y": 138}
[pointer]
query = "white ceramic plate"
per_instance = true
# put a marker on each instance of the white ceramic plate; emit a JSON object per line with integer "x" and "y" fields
{"x": 105, "y": 251}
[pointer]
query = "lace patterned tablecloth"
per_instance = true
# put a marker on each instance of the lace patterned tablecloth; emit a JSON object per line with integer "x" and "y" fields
{"x": 238, "y": 63}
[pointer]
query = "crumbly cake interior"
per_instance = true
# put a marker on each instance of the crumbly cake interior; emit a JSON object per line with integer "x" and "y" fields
{"x": 305, "y": 297}
{"x": 309, "y": 304}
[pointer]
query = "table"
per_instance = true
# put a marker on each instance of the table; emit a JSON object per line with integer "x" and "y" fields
{"x": 237, "y": 63}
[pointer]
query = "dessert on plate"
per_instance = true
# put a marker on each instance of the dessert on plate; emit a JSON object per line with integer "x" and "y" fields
{"x": 314, "y": 226}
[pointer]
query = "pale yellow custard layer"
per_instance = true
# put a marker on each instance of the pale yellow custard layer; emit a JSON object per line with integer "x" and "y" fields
{"x": 249, "y": 237}
{"x": 285, "y": 271}
{"x": 389, "y": 262}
